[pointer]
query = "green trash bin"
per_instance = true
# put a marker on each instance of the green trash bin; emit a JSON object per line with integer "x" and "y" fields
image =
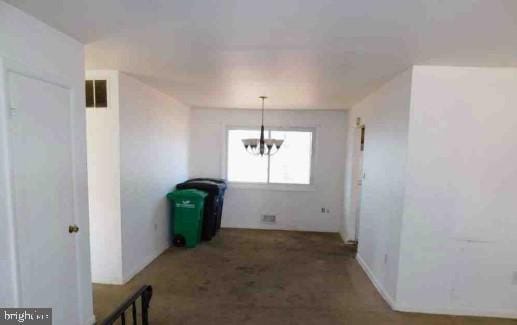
{"x": 186, "y": 216}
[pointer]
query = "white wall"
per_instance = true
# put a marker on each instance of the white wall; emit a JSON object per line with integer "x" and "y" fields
{"x": 103, "y": 138}
{"x": 439, "y": 197}
{"x": 295, "y": 210}
{"x": 459, "y": 243}
{"x": 137, "y": 152}
{"x": 385, "y": 114}
{"x": 154, "y": 135}
{"x": 26, "y": 41}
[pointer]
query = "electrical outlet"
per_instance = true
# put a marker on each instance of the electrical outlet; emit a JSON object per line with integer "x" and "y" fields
{"x": 327, "y": 210}
{"x": 269, "y": 218}
{"x": 322, "y": 210}
{"x": 514, "y": 278}
{"x": 155, "y": 226}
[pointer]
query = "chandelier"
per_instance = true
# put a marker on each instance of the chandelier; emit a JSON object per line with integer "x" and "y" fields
{"x": 261, "y": 146}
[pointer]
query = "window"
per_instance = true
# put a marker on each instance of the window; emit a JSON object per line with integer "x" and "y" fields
{"x": 290, "y": 165}
{"x": 96, "y": 93}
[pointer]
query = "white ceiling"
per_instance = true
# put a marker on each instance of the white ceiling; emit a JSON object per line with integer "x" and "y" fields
{"x": 307, "y": 54}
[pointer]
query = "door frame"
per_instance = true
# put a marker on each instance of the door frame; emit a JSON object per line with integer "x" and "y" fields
{"x": 356, "y": 172}
{"x": 8, "y": 66}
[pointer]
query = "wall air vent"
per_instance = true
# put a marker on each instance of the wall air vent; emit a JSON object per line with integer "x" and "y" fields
{"x": 96, "y": 93}
{"x": 269, "y": 218}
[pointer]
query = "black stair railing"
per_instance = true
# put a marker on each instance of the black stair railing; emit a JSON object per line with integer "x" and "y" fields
{"x": 145, "y": 293}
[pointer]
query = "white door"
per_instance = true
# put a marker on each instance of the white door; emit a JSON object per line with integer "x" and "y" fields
{"x": 41, "y": 166}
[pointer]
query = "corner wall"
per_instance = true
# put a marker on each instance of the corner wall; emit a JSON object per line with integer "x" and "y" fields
{"x": 103, "y": 138}
{"x": 437, "y": 228}
{"x": 459, "y": 243}
{"x": 154, "y": 135}
{"x": 295, "y": 210}
{"x": 385, "y": 114}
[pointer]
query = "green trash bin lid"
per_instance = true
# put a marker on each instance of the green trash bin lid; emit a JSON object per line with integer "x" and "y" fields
{"x": 195, "y": 196}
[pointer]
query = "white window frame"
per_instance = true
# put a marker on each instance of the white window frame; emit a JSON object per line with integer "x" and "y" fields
{"x": 268, "y": 185}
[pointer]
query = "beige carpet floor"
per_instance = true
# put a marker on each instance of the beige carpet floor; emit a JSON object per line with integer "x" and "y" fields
{"x": 264, "y": 277}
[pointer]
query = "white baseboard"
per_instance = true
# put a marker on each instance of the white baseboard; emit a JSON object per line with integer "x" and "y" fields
{"x": 457, "y": 311}
{"x": 274, "y": 226}
{"x": 440, "y": 311}
{"x": 111, "y": 281}
{"x": 343, "y": 237}
{"x": 91, "y": 320}
{"x": 145, "y": 262}
{"x": 376, "y": 283}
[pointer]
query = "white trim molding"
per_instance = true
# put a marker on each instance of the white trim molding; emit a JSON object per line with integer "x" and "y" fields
{"x": 391, "y": 302}
{"x": 439, "y": 311}
{"x": 457, "y": 311}
{"x": 92, "y": 320}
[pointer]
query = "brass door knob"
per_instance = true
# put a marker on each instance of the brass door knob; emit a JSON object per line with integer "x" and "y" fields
{"x": 73, "y": 228}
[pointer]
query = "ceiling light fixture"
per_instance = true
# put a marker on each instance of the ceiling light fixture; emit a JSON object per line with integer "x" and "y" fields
{"x": 261, "y": 146}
